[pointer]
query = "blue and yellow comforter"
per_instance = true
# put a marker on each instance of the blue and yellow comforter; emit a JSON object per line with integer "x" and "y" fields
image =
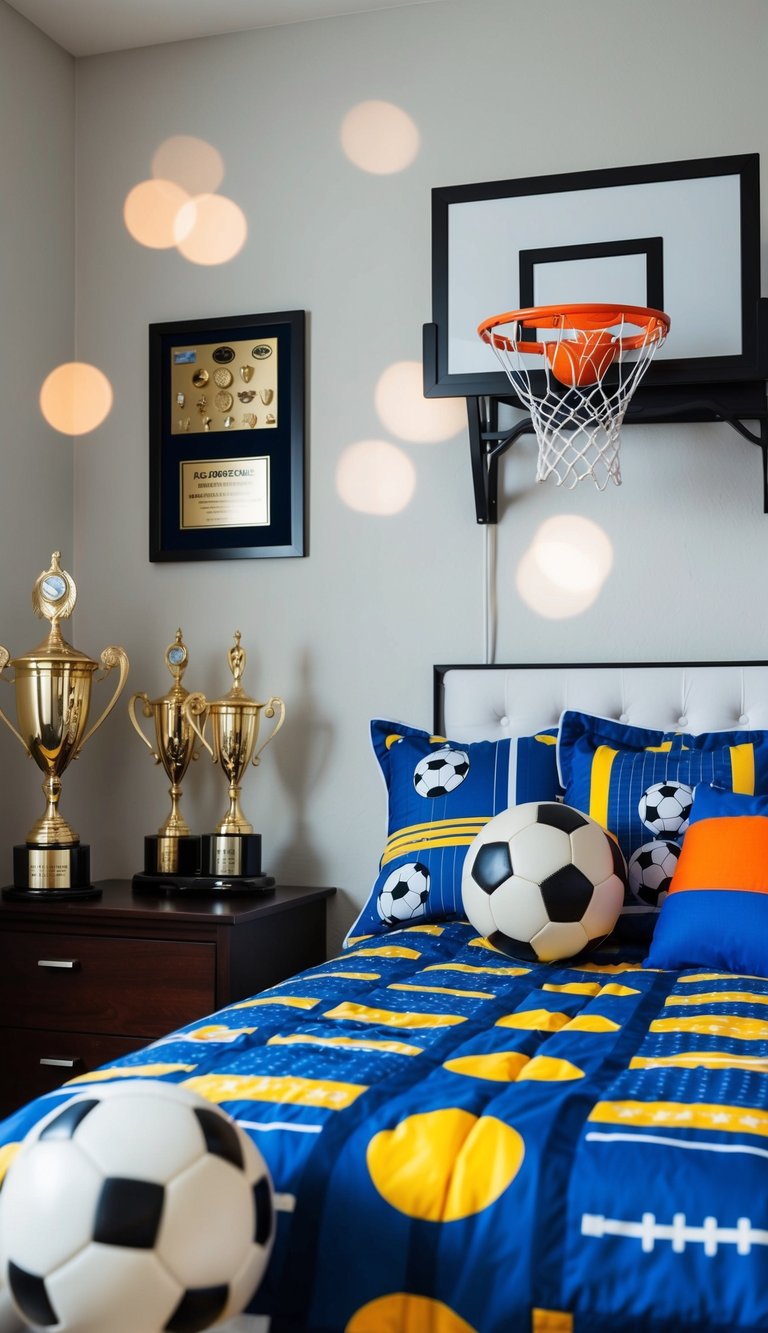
{"x": 460, "y": 1143}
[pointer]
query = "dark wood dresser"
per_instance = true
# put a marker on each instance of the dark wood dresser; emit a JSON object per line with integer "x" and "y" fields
{"x": 84, "y": 982}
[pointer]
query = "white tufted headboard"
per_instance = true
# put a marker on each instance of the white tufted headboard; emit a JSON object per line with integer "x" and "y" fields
{"x": 488, "y": 702}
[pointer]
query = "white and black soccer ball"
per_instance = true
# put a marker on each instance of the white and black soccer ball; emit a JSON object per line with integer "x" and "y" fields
{"x": 440, "y": 772}
{"x": 650, "y": 871}
{"x": 10, "y": 1320}
{"x": 543, "y": 882}
{"x": 136, "y": 1205}
{"x": 665, "y": 808}
{"x": 403, "y": 895}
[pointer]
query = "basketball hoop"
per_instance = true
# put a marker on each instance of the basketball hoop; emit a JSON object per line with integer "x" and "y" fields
{"x": 577, "y": 406}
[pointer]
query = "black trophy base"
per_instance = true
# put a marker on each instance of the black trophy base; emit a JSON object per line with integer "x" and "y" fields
{"x": 231, "y": 855}
{"x": 229, "y": 865}
{"x": 51, "y": 873}
{"x": 172, "y": 886}
{"x": 172, "y": 854}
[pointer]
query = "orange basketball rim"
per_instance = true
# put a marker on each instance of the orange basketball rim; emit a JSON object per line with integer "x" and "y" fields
{"x": 586, "y": 346}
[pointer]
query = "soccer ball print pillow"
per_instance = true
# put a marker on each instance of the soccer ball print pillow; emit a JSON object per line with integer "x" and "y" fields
{"x": 441, "y": 793}
{"x": 640, "y": 783}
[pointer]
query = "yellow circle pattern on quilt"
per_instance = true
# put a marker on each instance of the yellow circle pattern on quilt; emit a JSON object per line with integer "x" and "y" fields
{"x": 401, "y": 1313}
{"x": 444, "y": 1165}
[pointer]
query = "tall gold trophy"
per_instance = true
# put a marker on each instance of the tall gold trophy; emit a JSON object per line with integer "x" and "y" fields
{"x": 231, "y": 855}
{"x": 53, "y": 694}
{"x": 173, "y": 850}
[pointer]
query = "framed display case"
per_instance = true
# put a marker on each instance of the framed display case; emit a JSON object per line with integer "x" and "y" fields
{"x": 227, "y": 438}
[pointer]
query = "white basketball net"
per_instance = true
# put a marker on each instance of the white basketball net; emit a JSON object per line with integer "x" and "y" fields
{"x": 577, "y": 425}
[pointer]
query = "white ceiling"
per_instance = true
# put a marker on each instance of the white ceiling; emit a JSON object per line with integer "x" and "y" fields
{"x": 92, "y": 27}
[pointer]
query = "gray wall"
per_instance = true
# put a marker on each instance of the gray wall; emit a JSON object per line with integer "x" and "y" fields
{"x": 37, "y": 88}
{"x": 497, "y": 89}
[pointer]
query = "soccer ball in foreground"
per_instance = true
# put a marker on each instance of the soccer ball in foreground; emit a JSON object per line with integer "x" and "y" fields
{"x": 134, "y": 1206}
{"x": 9, "y": 1319}
{"x": 440, "y": 772}
{"x": 543, "y": 882}
{"x": 665, "y": 808}
{"x": 403, "y": 895}
{"x": 651, "y": 869}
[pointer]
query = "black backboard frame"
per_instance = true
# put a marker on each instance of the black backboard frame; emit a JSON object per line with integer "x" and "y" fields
{"x": 678, "y": 376}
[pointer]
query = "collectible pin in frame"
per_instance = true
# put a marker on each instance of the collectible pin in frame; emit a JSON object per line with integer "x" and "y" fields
{"x": 227, "y": 438}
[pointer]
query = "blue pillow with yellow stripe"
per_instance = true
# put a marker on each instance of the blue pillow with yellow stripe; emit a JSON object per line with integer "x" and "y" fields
{"x": 440, "y": 794}
{"x": 716, "y": 912}
{"x": 639, "y": 784}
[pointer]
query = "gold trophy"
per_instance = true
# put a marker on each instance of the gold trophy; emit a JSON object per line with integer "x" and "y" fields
{"x": 173, "y": 850}
{"x": 231, "y": 856}
{"x": 53, "y": 695}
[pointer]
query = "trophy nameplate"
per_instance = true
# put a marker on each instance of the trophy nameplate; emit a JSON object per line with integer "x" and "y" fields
{"x": 231, "y": 855}
{"x": 173, "y": 850}
{"x": 53, "y": 685}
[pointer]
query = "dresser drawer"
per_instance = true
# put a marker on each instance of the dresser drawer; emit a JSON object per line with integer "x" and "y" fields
{"x": 32, "y": 1063}
{"x": 104, "y": 984}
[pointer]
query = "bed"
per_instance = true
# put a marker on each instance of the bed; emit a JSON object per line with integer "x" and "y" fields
{"x": 464, "y": 1140}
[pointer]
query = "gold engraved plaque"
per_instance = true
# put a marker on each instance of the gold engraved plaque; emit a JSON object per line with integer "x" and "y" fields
{"x": 48, "y": 869}
{"x": 225, "y": 493}
{"x": 227, "y": 856}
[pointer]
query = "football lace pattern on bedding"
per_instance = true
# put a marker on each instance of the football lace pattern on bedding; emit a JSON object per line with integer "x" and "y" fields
{"x": 457, "y": 1140}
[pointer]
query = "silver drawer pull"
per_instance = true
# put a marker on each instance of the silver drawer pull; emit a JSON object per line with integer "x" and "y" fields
{"x": 69, "y": 964}
{"x": 59, "y": 1064}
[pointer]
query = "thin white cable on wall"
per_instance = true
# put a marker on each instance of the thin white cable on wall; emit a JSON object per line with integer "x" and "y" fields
{"x": 490, "y": 608}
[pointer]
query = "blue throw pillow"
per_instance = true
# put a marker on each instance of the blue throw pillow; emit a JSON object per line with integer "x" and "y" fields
{"x": 639, "y": 784}
{"x": 716, "y": 912}
{"x": 440, "y": 794}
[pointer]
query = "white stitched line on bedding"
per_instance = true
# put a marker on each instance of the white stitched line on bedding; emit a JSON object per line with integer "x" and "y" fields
{"x": 281, "y": 1124}
{"x": 680, "y": 1233}
{"x": 284, "y": 1203}
{"x": 679, "y": 1143}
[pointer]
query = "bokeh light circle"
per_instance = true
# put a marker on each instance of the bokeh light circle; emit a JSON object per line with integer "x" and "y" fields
{"x": 192, "y": 163}
{"x": 75, "y": 398}
{"x": 151, "y": 211}
{"x": 573, "y": 552}
{"x": 563, "y": 570}
{"x": 379, "y": 137}
{"x": 211, "y": 229}
{"x": 375, "y": 477}
{"x": 404, "y": 410}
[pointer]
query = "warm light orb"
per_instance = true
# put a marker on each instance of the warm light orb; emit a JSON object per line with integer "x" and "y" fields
{"x": 211, "y": 229}
{"x": 192, "y": 163}
{"x": 379, "y": 137}
{"x": 404, "y": 410}
{"x": 375, "y": 477}
{"x": 573, "y": 552}
{"x": 563, "y": 570}
{"x": 75, "y": 398}
{"x": 151, "y": 211}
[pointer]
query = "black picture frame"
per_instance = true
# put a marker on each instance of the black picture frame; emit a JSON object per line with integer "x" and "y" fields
{"x": 227, "y": 438}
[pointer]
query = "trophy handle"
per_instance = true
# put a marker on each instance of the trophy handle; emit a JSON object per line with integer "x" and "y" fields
{"x": 5, "y": 658}
{"x": 269, "y": 711}
{"x": 109, "y": 658}
{"x": 194, "y": 705}
{"x": 137, "y": 725}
